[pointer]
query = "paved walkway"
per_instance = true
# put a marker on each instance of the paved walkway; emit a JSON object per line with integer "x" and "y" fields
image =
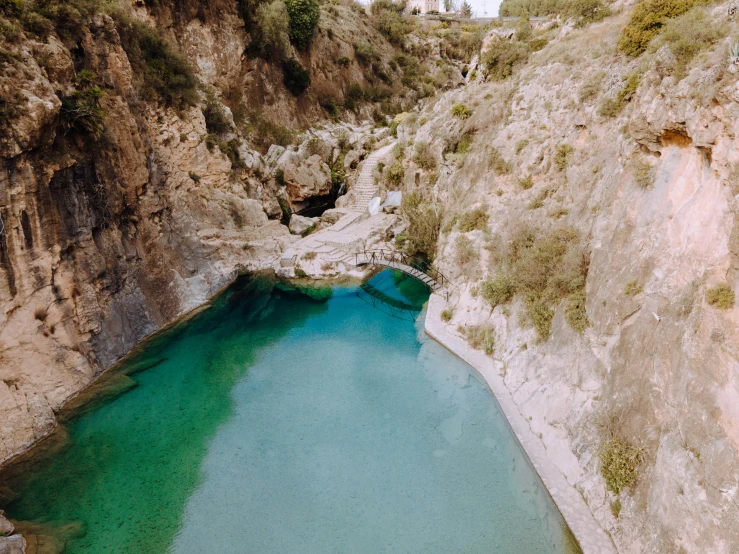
{"x": 589, "y": 534}
{"x": 365, "y": 188}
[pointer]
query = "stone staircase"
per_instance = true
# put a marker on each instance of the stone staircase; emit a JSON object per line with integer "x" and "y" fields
{"x": 365, "y": 188}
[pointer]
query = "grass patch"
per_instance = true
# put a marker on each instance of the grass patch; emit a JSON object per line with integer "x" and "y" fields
{"x": 520, "y": 145}
{"x": 461, "y": 111}
{"x": 480, "y": 337}
{"x": 721, "y": 297}
{"x": 424, "y": 157}
{"x": 647, "y": 19}
{"x": 473, "y": 220}
{"x": 526, "y": 182}
{"x": 619, "y": 461}
{"x": 161, "y": 73}
{"x": 498, "y": 162}
{"x": 687, "y": 35}
{"x": 611, "y": 107}
{"x": 562, "y": 155}
{"x": 545, "y": 269}
{"x": 632, "y": 288}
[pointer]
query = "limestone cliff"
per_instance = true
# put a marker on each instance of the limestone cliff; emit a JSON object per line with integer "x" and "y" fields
{"x": 643, "y": 187}
{"x": 139, "y": 172}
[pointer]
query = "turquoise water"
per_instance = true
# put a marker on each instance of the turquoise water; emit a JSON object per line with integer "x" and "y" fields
{"x": 284, "y": 422}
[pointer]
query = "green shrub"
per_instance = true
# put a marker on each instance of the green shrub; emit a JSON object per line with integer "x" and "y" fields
{"x": 303, "y": 16}
{"x": 642, "y": 173}
{"x": 721, "y": 296}
{"x": 502, "y": 56}
{"x": 270, "y": 36}
{"x": 632, "y": 288}
{"x": 476, "y": 219}
{"x": 83, "y": 112}
{"x": 37, "y": 24}
{"x": 424, "y": 157}
{"x": 561, "y": 156}
{"x": 498, "y": 290}
{"x": 160, "y": 72}
{"x": 447, "y": 314}
{"x": 588, "y": 11}
{"x": 424, "y": 216}
{"x": 480, "y": 337}
{"x": 461, "y": 111}
{"x": 647, "y": 19}
{"x": 295, "y": 77}
{"x": 343, "y": 61}
{"x": 194, "y": 176}
{"x": 216, "y": 120}
{"x": 619, "y": 461}
{"x": 575, "y": 313}
{"x": 688, "y": 35}
{"x": 365, "y": 52}
{"x": 526, "y": 182}
{"x": 389, "y": 20}
{"x": 520, "y": 145}
{"x": 545, "y": 269}
{"x": 395, "y": 174}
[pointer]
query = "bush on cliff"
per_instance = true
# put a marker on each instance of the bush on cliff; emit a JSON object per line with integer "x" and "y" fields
{"x": 161, "y": 73}
{"x": 303, "y": 16}
{"x": 647, "y": 19}
{"x": 502, "y": 56}
{"x": 295, "y": 77}
{"x": 545, "y": 269}
{"x": 270, "y": 36}
{"x": 424, "y": 215}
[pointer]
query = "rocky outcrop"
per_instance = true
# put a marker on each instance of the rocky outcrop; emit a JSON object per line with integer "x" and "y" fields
{"x": 309, "y": 179}
{"x": 650, "y": 191}
{"x": 10, "y": 543}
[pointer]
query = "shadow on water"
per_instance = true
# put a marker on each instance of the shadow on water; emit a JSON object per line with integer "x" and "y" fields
{"x": 141, "y": 447}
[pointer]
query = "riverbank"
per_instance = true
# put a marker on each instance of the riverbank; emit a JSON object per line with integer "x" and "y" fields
{"x": 589, "y": 534}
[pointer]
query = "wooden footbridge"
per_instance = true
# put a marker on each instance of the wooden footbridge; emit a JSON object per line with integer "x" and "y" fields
{"x": 410, "y": 265}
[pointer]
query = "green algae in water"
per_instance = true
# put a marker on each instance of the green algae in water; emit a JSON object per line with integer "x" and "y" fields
{"x": 283, "y": 422}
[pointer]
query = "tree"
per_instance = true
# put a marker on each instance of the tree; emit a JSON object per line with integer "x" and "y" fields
{"x": 449, "y": 5}
{"x": 465, "y": 10}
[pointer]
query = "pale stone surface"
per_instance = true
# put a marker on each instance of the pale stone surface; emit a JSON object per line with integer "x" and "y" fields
{"x": 590, "y": 535}
{"x": 12, "y": 545}
{"x": 300, "y": 224}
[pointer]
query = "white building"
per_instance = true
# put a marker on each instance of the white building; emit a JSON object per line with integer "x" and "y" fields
{"x": 424, "y": 6}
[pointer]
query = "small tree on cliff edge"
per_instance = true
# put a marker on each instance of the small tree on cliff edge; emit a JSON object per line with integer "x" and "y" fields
{"x": 465, "y": 10}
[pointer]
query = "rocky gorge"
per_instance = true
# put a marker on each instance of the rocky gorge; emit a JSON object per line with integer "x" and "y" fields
{"x": 581, "y": 200}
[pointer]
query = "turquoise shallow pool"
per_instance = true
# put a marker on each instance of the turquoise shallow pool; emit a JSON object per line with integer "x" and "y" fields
{"x": 284, "y": 422}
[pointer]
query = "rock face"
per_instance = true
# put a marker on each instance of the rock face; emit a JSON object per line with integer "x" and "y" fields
{"x": 308, "y": 179}
{"x": 651, "y": 192}
{"x": 300, "y": 224}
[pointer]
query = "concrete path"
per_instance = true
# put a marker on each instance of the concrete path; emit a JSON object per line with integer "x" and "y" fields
{"x": 365, "y": 188}
{"x": 589, "y": 534}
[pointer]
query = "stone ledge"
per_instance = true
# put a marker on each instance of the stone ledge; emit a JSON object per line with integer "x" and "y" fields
{"x": 589, "y": 534}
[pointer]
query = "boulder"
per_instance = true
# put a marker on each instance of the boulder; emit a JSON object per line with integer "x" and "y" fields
{"x": 392, "y": 202}
{"x": 374, "y": 206}
{"x": 299, "y": 224}
{"x": 12, "y": 545}
{"x": 6, "y": 528}
{"x": 333, "y": 215}
{"x": 307, "y": 180}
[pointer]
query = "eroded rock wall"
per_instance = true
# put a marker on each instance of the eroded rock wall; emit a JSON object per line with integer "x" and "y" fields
{"x": 651, "y": 192}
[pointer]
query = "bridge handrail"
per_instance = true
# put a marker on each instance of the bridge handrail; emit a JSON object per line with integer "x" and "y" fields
{"x": 370, "y": 256}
